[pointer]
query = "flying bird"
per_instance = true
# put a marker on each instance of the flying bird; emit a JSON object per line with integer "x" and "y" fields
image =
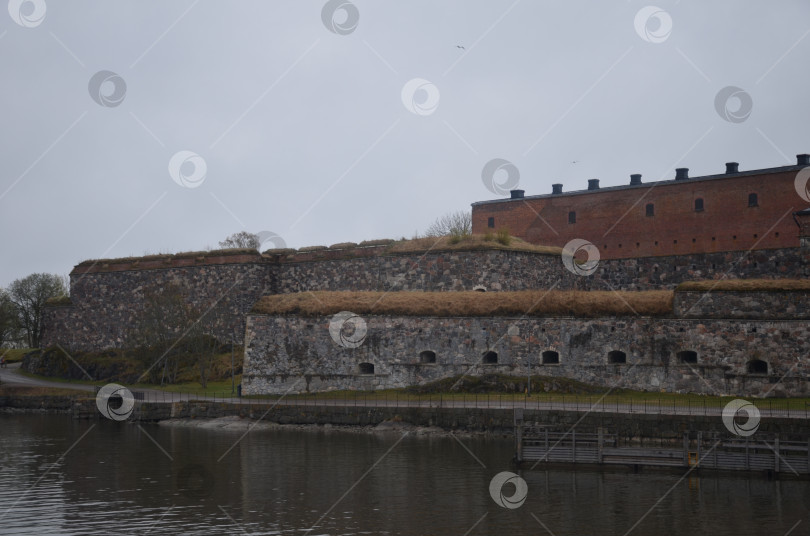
{"x": 461, "y": 47}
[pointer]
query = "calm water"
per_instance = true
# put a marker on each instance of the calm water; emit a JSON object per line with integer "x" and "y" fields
{"x": 116, "y": 479}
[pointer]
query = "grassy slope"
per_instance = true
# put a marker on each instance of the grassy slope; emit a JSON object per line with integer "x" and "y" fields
{"x": 14, "y": 355}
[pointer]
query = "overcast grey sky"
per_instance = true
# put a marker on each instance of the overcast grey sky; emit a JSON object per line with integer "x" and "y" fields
{"x": 304, "y": 130}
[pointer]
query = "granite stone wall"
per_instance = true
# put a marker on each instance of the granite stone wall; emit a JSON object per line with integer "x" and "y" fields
{"x": 513, "y": 270}
{"x": 107, "y": 299}
{"x": 108, "y": 305}
{"x": 442, "y": 271}
{"x": 712, "y": 356}
{"x": 770, "y": 305}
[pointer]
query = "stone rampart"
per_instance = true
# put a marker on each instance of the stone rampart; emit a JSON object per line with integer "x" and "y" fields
{"x": 109, "y": 297}
{"x": 713, "y": 356}
{"x": 107, "y": 305}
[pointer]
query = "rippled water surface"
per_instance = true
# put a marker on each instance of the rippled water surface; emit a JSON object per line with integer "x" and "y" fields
{"x": 60, "y": 476}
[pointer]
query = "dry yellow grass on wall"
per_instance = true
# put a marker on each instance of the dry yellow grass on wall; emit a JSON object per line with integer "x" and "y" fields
{"x": 745, "y": 285}
{"x": 528, "y": 302}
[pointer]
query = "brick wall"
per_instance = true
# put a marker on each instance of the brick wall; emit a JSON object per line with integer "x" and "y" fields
{"x": 615, "y": 219}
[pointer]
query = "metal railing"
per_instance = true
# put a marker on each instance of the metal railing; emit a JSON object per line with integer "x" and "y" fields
{"x": 662, "y": 405}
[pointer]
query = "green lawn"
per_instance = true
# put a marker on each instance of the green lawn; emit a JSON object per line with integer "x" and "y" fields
{"x": 14, "y": 355}
{"x": 58, "y": 380}
{"x": 219, "y": 386}
{"x": 636, "y": 399}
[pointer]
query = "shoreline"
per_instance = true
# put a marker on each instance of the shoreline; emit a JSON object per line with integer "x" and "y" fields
{"x": 239, "y": 424}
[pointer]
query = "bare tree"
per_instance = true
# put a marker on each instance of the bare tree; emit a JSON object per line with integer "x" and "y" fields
{"x": 164, "y": 318}
{"x": 242, "y": 239}
{"x": 9, "y": 322}
{"x": 29, "y": 295}
{"x": 173, "y": 333}
{"x": 454, "y": 224}
{"x": 202, "y": 345}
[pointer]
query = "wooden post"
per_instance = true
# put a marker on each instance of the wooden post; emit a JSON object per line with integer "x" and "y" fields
{"x": 685, "y": 448}
{"x": 776, "y": 453}
{"x": 699, "y": 447}
{"x": 519, "y": 441}
{"x": 600, "y": 438}
{"x": 574, "y": 445}
{"x": 747, "y": 459}
{"x": 518, "y": 414}
{"x": 545, "y": 457}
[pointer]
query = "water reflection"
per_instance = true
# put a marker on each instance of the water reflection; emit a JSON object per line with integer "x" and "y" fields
{"x": 150, "y": 479}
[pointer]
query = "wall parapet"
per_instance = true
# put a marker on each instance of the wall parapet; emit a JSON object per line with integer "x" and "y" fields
{"x": 153, "y": 262}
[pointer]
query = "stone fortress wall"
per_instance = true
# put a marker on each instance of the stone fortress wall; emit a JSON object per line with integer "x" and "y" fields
{"x": 729, "y": 345}
{"x": 107, "y": 298}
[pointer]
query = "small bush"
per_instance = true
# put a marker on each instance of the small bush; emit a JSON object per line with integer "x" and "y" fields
{"x": 454, "y": 224}
{"x": 60, "y": 300}
{"x": 377, "y": 242}
{"x": 503, "y": 236}
{"x": 279, "y": 251}
{"x": 343, "y": 245}
{"x": 489, "y": 236}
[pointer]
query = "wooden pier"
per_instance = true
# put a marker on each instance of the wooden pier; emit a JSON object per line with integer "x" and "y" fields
{"x": 537, "y": 444}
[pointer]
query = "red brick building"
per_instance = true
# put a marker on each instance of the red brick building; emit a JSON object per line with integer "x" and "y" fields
{"x": 733, "y": 211}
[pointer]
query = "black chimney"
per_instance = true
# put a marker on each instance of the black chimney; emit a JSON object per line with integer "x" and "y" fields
{"x": 681, "y": 173}
{"x": 803, "y": 159}
{"x": 593, "y": 184}
{"x": 517, "y": 194}
{"x": 732, "y": 167}
{"x": 635, "y": 179}
{"x": 556, "y": 188}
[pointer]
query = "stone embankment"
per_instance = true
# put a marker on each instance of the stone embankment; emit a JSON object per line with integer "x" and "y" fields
{"x": 494, "y": 421}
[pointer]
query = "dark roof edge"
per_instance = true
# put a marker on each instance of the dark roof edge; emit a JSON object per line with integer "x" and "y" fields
{"x": 749, "y": 173}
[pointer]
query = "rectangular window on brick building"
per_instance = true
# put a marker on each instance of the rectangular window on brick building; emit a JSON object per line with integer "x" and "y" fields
{"x": 698, "y": 205}
{"x": 650, "y": 209}
{"x": 572, "y": 217}
{"x": 752, "y": 200}
{"x": 491, "y": 223}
